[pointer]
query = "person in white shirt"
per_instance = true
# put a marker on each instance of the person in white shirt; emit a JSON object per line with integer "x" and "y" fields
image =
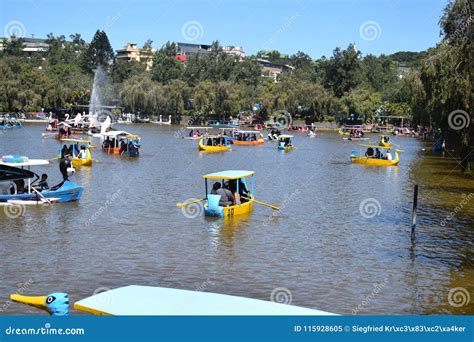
{"x": 82, "y": 153}
{"x": 389, "y": 155}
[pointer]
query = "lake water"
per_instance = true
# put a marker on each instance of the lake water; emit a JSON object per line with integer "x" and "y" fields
{"x": 319, "y": 251}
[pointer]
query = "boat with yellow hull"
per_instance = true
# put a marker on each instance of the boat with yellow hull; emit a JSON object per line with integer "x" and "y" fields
{"x": 76, "y": 145}
{"x": 233, "y": 210}
{"x": 385, "y": 141}
{"x": 284, "y": 143}
{"x": 375, "y": 161}
{"x": 371, "y": 160}
{"x": 215, "y": 147}
{"x": 237, "y": 186}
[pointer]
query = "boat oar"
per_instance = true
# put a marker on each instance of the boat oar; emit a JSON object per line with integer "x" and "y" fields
{"x": 55, "y": 158}
{"x": 180, "y": 205}
{"x": 274, "y": 207}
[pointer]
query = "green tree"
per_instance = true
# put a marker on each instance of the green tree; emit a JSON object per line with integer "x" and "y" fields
{"x": 343, "y": 70}
{"x": 98, "y": 53}
{"x": 165, "y": 65}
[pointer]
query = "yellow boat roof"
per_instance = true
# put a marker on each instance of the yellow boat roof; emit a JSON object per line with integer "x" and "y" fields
{"x": 375, "y": 146}
{"x": 241, "y": 131}
{"x": 229, "y": 174}
{"x": 76, "y": 140}
{"x": 285, "y": 136}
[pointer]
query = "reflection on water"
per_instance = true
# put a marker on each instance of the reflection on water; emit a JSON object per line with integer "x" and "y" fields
{"x": 127, "y": 230}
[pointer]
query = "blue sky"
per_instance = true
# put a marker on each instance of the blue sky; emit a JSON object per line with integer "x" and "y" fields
{"x": 313, "y": 26}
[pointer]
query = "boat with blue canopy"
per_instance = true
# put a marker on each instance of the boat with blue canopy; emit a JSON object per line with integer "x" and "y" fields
{"x": 20, "y": 185}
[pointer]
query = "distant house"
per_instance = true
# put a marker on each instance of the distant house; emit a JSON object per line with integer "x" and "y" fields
{"x": 271, "y": 69}
{"x": 403, "y": 70}
{"x": 30, "y": 45}
{"x": 184, "y": 50}
{"x": 131, "y": 52}
{"x": 188, "y": 49}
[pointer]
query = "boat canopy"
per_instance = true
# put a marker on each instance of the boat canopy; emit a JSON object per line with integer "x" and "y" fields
{"x": 9, "y": 173}
{"x": 114, "y": 134}
{"x": 30, "y": 162}
{"x": 375, "y": 146}
{"x": 256, "y": 132}
{"x": 229, "y": 174}
{"x": 198, "y": 127}
{"x": 148, "y": 300}
{"x": 284, "y": 136}
{"x": 76, "y": 140}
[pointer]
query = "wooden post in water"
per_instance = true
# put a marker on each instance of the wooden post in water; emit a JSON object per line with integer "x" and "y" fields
{"x": 413, "y": 213}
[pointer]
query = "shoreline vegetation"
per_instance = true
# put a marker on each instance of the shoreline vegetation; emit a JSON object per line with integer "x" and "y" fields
{"x": 430, "y": 89}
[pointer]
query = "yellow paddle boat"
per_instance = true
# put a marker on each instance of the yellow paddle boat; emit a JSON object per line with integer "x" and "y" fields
{"x": 374, "y": 157}
{"x": 229, "y": 195}
{"x": 284, "y": 143}
{"x": 344, "y": 131}
{"x": 213, "y": 143}
{"x": 385, "y": 141}
{"x": 79, "y": 149}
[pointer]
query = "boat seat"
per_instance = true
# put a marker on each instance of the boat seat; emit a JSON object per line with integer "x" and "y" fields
{"x": 213, "y": 201}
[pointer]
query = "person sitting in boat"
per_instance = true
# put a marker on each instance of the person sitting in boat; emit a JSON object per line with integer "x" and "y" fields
{"x": 226, "y": 195}
{"x": 18, "y": 187}
{"x": 64, "y": 164}
{"x": 64, "y": 151}
{"x": 106, "y": 143}
{"x": 389, "y": 155}
{"x": 216, "y": 186}
{"x": 43, "y": 183}
{"x": 243, "y": 191}
{"x": 82, "y": 153}
{"x": 209, "y": 142}
{"x": 377, "y": 153}
{"x": 370, "y": 152}
{"x": 123, "y": 146}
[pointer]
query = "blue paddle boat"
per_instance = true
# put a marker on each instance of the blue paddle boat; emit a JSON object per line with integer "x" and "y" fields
{"x": 19, "y": 185}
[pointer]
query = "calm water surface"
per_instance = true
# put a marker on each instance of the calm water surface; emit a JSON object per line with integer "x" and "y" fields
{"x": 126, "y": 229}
